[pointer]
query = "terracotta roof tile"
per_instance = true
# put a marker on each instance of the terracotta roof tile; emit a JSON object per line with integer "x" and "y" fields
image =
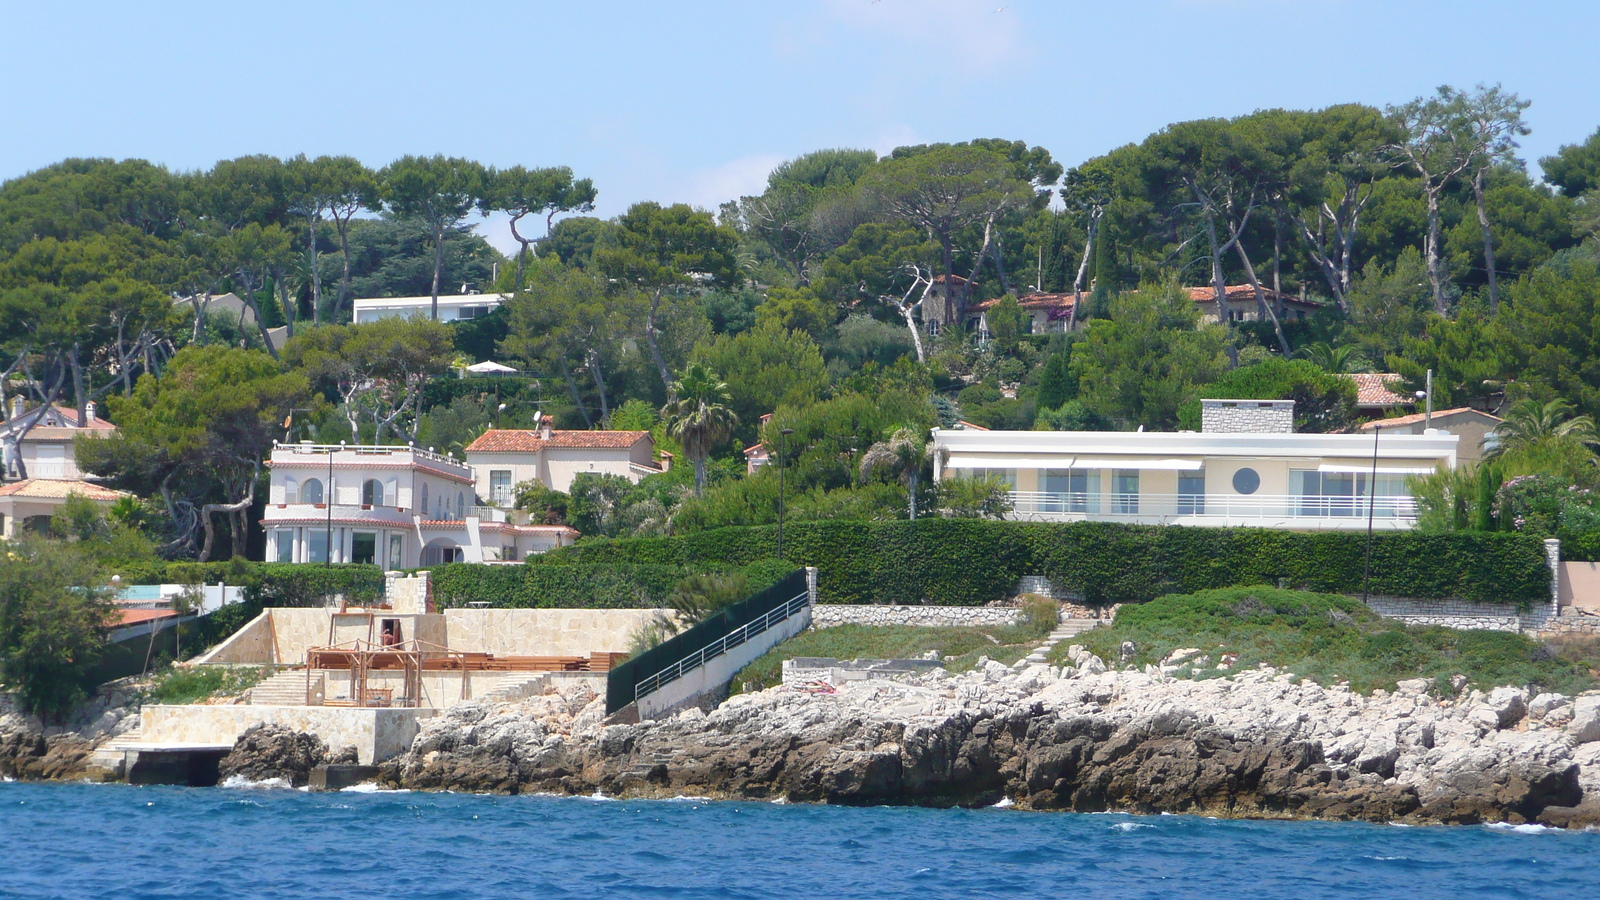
{"x": 1240, "y": 292}
{"x": 49, "y": 489}
{"x": 1031, "y": 301}
{"x": 1414, "y": 418}
{"x": 135, "y": 616}
{"x": 510, "y": 440}
{"x": 1376, "y": 389}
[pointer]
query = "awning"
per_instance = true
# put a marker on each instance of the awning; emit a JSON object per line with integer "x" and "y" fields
{"x": 1331, "y": 469}
{"x": 1034, "y": 462}
{"x": 489, "y": 367}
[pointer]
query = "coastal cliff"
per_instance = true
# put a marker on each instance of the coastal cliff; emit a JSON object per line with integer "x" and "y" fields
{"x": 1081, "y": 739}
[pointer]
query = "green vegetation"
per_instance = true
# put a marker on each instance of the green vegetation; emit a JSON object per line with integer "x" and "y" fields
{"x": 958, "y": 647}
{"x": 599, "y": 586}
{"x": 1331, "y": 639}
{"x": 55, "y": 607}
{"x": 175, "y": 685}
{"x": 969, "y": 562}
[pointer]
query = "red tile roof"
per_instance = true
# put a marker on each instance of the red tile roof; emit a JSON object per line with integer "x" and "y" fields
{"x": 1032, "y": 301}
{"x": 1414, "y": 418}
{"x": 135, "y": 616}
{"x": 1376, "y": 389}
{"x": 510, "y": 440}
{"x": 1237, "y": 293}
{"x": 49, "y": 489}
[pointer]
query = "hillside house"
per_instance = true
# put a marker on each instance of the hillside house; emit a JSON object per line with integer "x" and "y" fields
{"x": 505, "y": 457}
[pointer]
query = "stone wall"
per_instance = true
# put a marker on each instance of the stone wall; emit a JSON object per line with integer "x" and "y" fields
{"x": 1247, "y": 416}
{"x": 377, "y": 734}
{"x": 827, "y": 615}
{"x": 1466, "y": 615}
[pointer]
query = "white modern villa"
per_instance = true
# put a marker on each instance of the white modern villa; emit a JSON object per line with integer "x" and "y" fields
{"x": 397, "y": 507}
{"x": 451, "y": 307}
{"x": 1246, "y": 467}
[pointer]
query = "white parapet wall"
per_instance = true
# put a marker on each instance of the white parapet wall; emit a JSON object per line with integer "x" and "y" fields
{"x": 708, "y": 681}
{"x": 827, "y": 615}
{"x": 377, "y": 734}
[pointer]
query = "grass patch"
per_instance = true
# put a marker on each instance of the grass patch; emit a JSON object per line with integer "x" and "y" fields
{"x": 1329, "y": 638}
{"x": 960, "y": 648}
{"x": 191, "y": 685}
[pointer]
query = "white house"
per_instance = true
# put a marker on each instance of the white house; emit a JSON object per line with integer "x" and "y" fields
{"x": 451, "y": 307}
{"x": 39, "y": 466}
{"x": 505, "y": 457}
{"x": 397, "y": 507}
{"x": 1246, "y": 468}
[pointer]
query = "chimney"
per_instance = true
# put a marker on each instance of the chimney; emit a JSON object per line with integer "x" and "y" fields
{"x": 17, "y": 408}
{"x": 88, "y": 412}
{"x": 1247, "y": 416}
{"x": 544, "y": 430}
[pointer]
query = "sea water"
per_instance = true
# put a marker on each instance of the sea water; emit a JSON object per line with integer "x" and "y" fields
{"x": 81, "y": 841}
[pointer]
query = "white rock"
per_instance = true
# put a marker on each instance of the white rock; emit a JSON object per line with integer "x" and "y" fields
{"x": 1585, "y": 726}
{"x": 1509, "y": 704}
{"x": 1544, "y": 704}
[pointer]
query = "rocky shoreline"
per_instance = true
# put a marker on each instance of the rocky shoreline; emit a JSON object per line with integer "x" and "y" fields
{"x": 1078, "y": 739}
{"x": 1084, "y": 739}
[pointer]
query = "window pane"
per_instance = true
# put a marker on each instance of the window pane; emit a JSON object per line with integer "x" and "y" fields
{"x": 317, "y": 546}
{"x": 285, "y": 541}
{"x": 311, "y": 491}
{"x": 397, "y": 545}
{"x": 364, "y": 547}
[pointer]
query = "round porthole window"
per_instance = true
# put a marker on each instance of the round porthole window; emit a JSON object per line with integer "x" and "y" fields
{"x": 1246, "y": 480}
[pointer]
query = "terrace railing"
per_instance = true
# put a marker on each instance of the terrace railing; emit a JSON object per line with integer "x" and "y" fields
{"x": 1112, "y": 506}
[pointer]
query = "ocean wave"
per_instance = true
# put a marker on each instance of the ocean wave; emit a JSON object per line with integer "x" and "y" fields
{"x": 239, "y": 782}
{"x": 1126, "y": 827}
{"x": 1005, "y": 803}
{"x": 371, "y": 787}
{"x": 685, "y": 798}
{"x": 598, "y": 797}
{"x": 1525, "y": 828}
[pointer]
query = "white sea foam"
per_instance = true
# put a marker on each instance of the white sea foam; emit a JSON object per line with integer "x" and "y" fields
{"x": 267, "y": 784}
{"x": 1130, "y": 826}
{"x": 372, "y": 787}
{"x": 780, "y": 801}
{"x": 1005, "y": 803}
{"x": 1526, "y": 828}
{"x": 599, "y": 797}
{"x": 685, "y": 798}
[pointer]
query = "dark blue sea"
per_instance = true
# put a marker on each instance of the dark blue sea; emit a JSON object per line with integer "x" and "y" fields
{"x": 130, "y": 843}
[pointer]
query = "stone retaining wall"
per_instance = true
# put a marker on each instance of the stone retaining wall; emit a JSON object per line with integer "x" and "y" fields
{"x": 827, "y": 615}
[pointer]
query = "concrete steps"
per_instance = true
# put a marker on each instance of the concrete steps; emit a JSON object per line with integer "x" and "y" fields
{"x": 1067, "y": 628}
{"x": 516, "y": 687}
{"x": 284, "y": 689}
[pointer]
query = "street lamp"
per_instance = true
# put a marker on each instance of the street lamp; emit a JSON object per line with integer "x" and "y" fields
{"x": 783, "y": 450}
{"x": 1372, "y": 500}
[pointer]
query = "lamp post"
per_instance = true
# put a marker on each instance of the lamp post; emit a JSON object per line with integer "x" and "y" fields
{"x": 327, "y": 549}
{"x": 783, "y": 450}
{"x": 1372, "y": 501}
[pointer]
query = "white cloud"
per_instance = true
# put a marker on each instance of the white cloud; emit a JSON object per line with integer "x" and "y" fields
{"x": 708, "y": 188}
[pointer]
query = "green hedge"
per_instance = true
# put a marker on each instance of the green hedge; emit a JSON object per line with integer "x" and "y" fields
{"x": 265, "y": 584}
{"x": 602, "y": 585}
{"x": 967, "y": 562}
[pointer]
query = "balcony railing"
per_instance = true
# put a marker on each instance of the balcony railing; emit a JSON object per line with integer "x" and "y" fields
{"x": 370, "y": 450}
{"x": 1253, "y": 506}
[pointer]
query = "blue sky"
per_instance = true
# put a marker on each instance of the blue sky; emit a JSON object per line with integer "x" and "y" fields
{"x": 681, "y": 101}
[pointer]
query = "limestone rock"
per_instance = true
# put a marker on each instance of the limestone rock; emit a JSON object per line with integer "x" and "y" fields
{"x": 1585, "y": 725}
{"x": 267, "y": 752}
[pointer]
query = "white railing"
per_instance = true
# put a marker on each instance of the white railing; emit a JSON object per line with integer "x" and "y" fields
{"x": 50, "y": 469}
{"x": 1251, "y": 506}
{"x": 362, "y": 450}
{"x": 488, "y": 513}
{"x": 721, "y": 645}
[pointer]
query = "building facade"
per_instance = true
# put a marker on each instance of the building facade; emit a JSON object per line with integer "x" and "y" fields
{"x": 39, "y": 464}
{"x": 505, "y": 457}
{"x": 451, "y": 307}
{"x": 1246, "y": 469}
{"x": 397, "y": 507}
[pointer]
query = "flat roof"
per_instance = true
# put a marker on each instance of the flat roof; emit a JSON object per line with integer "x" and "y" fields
{"x": 1021, "y": 444}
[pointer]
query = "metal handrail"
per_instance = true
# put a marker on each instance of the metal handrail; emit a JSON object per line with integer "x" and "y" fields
{"x": 1263, "y": 506}
{"x": 721, "y": 645}
{"x": 371, "y": 450}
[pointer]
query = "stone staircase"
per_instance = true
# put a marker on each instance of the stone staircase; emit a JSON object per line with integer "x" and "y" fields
{"x": 515, "y": 687}
{"x": 1067, "y": 628}
{"x": 285, "y": 689}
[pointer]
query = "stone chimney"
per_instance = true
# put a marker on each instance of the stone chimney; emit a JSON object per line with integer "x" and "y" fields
{"x": 88, "y": 413}
{"x": 1247, "y": 416}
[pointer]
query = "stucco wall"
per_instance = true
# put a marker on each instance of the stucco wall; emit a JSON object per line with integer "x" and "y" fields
{"x": 544, "y": 632}
{"x": 1580, "y": 586}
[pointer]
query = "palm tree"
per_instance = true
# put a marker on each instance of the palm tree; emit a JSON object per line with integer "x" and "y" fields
{"x": 902, "y": 455}
{"x": 1530, "y": 422}
{"x": 1336, "y": 360}
{"x": 699, "y": 417}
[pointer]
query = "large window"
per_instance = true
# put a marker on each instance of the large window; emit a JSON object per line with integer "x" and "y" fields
{"x": 283, "y": 539}
{"x": 311, "y": 491}
{"x": 1071, "y": 490}
{"x": 1191, "y": 493}
{"x": 317, "y": 545}
{"x": 1125, "y": 497}
{"x": 500, "y": 487}
{"x": 1337, "y": 494}
{"x": 364, "y": 547}
{"x": 371, "y": 492}
{"x": 397, "y": 549}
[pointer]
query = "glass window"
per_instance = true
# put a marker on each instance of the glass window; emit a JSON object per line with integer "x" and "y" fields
{"x": 500, "y": 486}
{"x": 284, "y": 540}
{"x": 1072, "y": 490}
{"x": 422, "y": 499}
{"x": 461, "y": 505}
{"x": 397, "y": 549}
{"x": 311, "y": 491}
{"x": 291, "y": 491}
{"x": 1191, "y": 493}
{"x": 1127, "y": 491}
{"x": 364, "y": 547}
{"x": 317, "y": 546}
{"x": 1246, "y": 480}
{"x": 371, "y": 492}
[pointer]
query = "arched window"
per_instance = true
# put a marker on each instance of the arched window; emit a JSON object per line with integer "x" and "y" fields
{"x": 311, "y": 491}
{"x": 371, "y": 492}
{"x": 422, "y": 499}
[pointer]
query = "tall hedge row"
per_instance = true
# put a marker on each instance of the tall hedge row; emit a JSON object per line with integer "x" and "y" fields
{"x": 264, "y": 583}
{"x": 966, "y": 562}
{"x": 602, "y": 585}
